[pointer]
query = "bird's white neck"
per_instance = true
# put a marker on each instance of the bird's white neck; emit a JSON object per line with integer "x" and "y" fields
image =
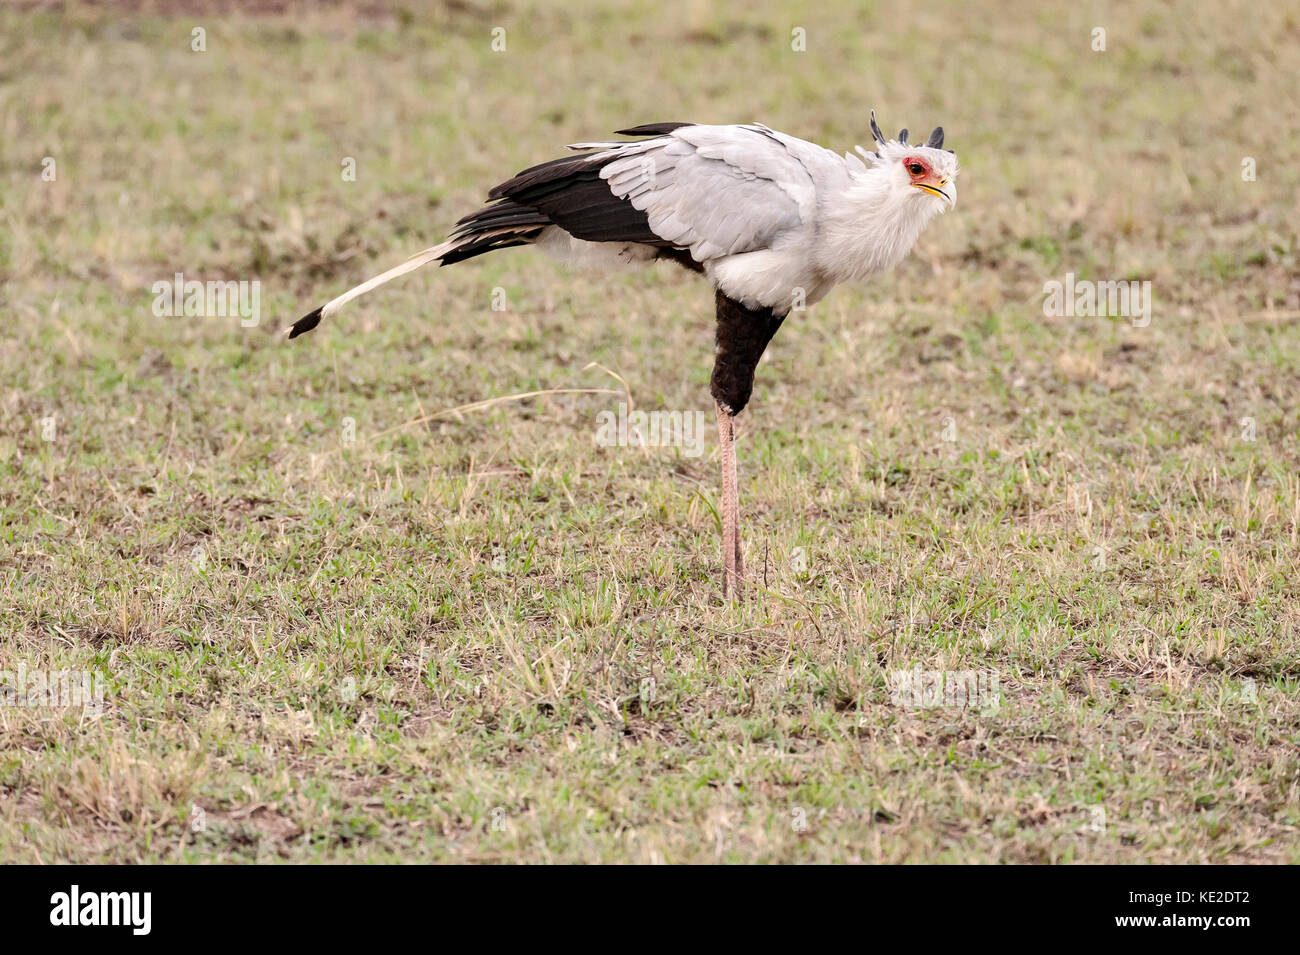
{"x": 870, "y": 226}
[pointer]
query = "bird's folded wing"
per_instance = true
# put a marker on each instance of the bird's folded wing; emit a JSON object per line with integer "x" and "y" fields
{"x": 715, "y": 190}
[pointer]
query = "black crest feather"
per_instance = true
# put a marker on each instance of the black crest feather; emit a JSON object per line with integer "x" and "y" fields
{"x": 875, "y": 130}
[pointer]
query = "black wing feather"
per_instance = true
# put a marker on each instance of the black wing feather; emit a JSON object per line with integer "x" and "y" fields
{"x": 651, "y": 129}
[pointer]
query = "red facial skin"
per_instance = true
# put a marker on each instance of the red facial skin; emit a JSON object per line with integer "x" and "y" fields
{"x": 926, "y": 174}
{"x": 923, "y": 176}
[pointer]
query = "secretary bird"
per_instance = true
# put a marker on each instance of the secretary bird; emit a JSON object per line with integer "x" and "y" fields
{"x": 773, "y": 222}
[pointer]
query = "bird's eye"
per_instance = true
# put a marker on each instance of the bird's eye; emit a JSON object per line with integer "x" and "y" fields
{"x": 916, "y": 169}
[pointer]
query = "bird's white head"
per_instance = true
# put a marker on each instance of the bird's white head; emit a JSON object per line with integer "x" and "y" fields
{"x": 914, "y": 173}
{"x": 871, "y": 225}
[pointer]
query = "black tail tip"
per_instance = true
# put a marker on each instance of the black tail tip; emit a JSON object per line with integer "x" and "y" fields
{"x": 305, "y": 324}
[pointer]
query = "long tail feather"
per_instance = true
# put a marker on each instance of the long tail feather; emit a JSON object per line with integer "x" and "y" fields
{"x": 420, "y": 259}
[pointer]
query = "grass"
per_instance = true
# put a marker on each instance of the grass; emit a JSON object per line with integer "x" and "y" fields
{"x": 482, "y": 637}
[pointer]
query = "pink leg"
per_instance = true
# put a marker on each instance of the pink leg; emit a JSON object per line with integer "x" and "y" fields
{"x": 733, "y": 566}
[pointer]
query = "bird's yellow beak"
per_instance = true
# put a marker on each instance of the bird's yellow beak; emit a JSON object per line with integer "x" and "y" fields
{"x": 935, "y": 190}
